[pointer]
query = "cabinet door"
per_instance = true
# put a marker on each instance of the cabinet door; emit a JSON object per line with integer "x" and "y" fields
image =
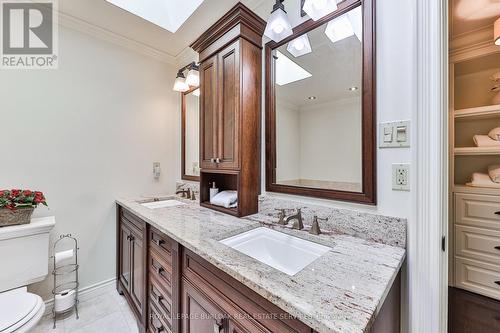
{"x": 125, "y": 272}
{"x": 228, "y": 61}
{"x": 208, "y": 113}
{"x": 200, "y": 315}
{"x": 137, "y": 266}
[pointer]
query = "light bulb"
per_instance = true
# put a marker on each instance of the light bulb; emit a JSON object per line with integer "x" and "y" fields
{"x": 298, "y": 45}
{"x": 278, "y": 28}
{"x": 319, "y": 4}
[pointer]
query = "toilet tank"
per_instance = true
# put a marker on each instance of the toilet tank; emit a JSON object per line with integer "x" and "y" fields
{"x": 24, "y": 253}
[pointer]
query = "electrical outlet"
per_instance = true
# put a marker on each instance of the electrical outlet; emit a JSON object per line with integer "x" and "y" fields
{"x": 401, "y": 177}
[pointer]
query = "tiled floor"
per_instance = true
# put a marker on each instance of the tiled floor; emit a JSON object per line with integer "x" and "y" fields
{"x": 108, "y": 312}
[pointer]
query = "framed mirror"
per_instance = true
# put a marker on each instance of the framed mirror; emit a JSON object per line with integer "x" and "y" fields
{"x": 320, "y": 107}
{"x": 190, "y": 135}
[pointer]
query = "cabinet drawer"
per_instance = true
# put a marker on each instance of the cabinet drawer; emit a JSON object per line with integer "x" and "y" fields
{"x": 161, "y": 243}
{"x": 162, "y": 300}
{"x": 477, "y": 243}
{"x": 479, "y": 277}
{"x": 477, "y": 210}
{"x": 132, "y": 220}
{"x": 157, "y": 322}
{"x": 160, "y": 269}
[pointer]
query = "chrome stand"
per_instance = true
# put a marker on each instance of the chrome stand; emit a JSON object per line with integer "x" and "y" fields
{"x": 64, "y": 270}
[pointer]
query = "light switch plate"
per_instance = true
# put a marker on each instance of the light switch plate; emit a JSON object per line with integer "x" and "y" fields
{"x": 399, "y": 136}
{"x": 401, "y": 177}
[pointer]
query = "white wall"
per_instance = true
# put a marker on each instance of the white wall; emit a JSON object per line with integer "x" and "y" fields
{"x": 287, "y": 141}
{"x": 330, "y": 141}
{"x": 87, "y": 133}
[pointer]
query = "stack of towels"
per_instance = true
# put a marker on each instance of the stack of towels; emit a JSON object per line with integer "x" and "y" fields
{"x": 490, "y": 140}
{"x": 492, "y": 179}
{"x": 228, "y": 199}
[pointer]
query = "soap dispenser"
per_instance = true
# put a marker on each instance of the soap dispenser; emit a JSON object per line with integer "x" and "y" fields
{"x": 213, "y": 191}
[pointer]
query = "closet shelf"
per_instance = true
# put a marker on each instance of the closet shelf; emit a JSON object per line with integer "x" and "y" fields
{"x": 463, "y": 151}
{"x": 479, "y": 112}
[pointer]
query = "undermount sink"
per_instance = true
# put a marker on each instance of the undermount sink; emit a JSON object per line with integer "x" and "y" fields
{"x": 286, "y": 253}
{"x": 162, "y": 203}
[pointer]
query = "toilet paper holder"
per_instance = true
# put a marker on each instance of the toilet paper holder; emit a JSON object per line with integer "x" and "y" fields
{"x": 65, "y": 274}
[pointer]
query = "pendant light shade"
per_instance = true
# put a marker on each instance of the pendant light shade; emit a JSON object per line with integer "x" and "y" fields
{"x": 193, "y": 78}
{"x": 180, "y": 84}
{"x": 299, "y": 46}
{"x": 278, "y": 26}
{"x": 497, "y": 32}
{"x": 316, "y": 9}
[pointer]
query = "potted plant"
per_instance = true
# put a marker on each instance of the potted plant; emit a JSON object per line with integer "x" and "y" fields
{"x": 17, "y": 206}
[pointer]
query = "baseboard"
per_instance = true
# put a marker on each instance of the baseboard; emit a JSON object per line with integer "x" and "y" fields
{"x": 84, "y": 294}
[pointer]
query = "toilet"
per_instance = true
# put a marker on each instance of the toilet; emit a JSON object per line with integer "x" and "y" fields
{"x": 24, "y": 255}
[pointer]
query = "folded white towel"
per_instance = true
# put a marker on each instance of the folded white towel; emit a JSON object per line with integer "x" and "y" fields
{"x": 494, "y": 171}
{"x": 485, "y": 141}
{"x": 482, "y": 180}
{"x": 494, "y": 134}
{"x": 228, "y": 199}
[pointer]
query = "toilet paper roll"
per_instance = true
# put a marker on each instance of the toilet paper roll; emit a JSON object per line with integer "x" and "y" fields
{"x": 64, "y": 300}
{"x": 63, "y": 255}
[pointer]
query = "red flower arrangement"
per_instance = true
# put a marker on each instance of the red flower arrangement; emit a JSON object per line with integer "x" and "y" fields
{"x": 14, "y": 199}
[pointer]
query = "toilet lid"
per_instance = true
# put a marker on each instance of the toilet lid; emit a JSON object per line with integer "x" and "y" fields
{"x": 17, "y": 306}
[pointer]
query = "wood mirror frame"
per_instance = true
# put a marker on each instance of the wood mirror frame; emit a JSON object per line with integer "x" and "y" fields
{"x": 369, "y": 141}
{"x": 183, "y": 138}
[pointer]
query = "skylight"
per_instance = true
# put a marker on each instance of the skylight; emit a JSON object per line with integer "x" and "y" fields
{"x": 168, "y": 14}
{"x": 287, "y": 71}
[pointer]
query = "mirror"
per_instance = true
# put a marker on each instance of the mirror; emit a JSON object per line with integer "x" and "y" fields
{"x": 320, "y": 128}
{"x": 190, "y": 134}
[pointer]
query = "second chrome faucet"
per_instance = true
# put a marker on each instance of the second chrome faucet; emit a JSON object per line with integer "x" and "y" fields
{"x": 298, "y": 221}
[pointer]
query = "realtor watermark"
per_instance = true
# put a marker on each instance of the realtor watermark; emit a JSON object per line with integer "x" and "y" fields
{"x": 29, "y": 34}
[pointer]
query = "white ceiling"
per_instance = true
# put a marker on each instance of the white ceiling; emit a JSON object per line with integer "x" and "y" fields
{"x": 470, "y": 15}
{"x": 121, "y": 22}
{"x": 334, "y": 68}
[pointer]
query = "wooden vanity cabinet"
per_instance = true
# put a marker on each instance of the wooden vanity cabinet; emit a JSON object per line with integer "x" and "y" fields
{"x": 230, "y": 55}
{"x": 131, "y": 262}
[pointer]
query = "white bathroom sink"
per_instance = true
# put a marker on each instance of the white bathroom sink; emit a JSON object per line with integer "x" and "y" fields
{"x": 162, "y": 204}
{"x": 284, "y": 252}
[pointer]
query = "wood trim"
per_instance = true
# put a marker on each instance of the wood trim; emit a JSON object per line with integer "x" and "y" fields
{"x": 238, "y": 15}
{"x": 369, "y": 141}
{"x": 183, "y": 137}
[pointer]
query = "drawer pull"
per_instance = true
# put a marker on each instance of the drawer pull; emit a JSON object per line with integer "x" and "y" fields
{"x": 160, "y": 270}
{"x": 497, "y": 213}
{"x": 130, "y": 238}
{"x": 497, "y": 282}
{"x": 159, "y": 242}
{"x": 497, "y": 247}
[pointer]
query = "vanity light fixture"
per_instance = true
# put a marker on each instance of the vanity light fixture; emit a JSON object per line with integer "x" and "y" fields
{"x": 345, "y": 26}
{"x": 497, "y": 32}
{"x": 278, "y": 26}
{"x": 299, "y": 46}
{"x": 182, "y": 84}
{"x": 317, "y": 9}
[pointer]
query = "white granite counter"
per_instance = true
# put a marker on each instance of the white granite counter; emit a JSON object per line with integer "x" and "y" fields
{"x": 342, "y": 291}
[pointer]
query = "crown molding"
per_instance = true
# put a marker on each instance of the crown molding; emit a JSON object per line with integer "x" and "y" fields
{"x": 80, "y": 25}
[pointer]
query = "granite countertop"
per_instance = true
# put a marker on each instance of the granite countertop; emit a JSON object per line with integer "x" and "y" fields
{"x": 342, "y": 291}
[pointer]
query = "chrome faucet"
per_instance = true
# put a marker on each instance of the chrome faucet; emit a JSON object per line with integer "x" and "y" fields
{"x": 298, "y": 220}
{"x": 184, "y": 193}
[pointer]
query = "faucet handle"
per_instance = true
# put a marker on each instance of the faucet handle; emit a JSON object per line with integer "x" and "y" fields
{"x": 193, "y": 196}
{"x": 315, "y": 230}
{"x": 281, "y": 215}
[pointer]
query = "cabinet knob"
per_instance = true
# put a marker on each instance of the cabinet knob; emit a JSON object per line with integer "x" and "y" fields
{"x": 130, "y": 238}
{"x": 217, "y": 160}
{"x": 160, "y": 270}
{"x": 212, "y": 160}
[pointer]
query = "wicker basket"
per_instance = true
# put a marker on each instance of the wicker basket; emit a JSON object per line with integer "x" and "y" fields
{"x": 15, "y": 217}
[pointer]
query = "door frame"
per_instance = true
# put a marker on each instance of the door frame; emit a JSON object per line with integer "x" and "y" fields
{"x": 427, "y": 261}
